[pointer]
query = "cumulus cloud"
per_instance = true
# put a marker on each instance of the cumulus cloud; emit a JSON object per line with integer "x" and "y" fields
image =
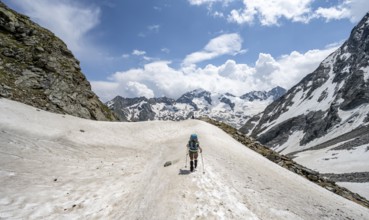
{"x": 270, "y": 13}
{"x": 158, "y": 78}
{"x": 291, "y": 68}
{"x": 348, "y": 9}
{"x": 226, "y": 44}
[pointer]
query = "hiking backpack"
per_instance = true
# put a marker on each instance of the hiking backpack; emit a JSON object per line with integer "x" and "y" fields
{"x": 193, "y": 145}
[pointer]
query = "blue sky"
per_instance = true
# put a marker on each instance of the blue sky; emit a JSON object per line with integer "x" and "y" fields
{"x": 168, "y": 47}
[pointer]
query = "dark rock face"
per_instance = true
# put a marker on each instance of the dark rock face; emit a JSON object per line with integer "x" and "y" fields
{"x": 339, "y": 83}
{"x": 227, "y": 101}
{"x": 36, "y": 68}
{"x": 250, "y": 124}
{"x": 274, "y": 93}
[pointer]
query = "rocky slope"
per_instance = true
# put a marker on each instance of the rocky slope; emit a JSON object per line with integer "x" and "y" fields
{"x": 37, "y": 68}
{"x": 326, "y": 181}
{"x": 334, "y": 97}
{"x": 323, "y": 121}
{"x": 223, "y": 107}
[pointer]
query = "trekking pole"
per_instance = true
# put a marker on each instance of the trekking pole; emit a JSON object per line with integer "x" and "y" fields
{"x": 203, "y": 169}
{"x": 186, "y": 160}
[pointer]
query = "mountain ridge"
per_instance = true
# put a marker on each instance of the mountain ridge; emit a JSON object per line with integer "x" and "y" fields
{"x": 326, "y": 89}
{"x": 225, "y": 107}
{"x": 323, "y": 121}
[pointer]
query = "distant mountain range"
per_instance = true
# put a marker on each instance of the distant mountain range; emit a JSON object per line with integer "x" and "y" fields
{"x": 228, "y": 108}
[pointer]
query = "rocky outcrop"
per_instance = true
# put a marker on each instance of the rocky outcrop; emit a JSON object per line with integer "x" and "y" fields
{"x": 286, "y": 162}
{"x": 37, "y": 68}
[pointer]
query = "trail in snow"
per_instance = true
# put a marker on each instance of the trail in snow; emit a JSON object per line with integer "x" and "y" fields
{"x": 61, "y": 167}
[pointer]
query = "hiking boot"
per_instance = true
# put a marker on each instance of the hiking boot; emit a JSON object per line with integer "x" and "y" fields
{"x": 195, "y": 164}
{"x": 191, "y": 163}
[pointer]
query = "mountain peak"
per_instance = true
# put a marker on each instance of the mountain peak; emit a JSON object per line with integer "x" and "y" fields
{"x": 263, "y": 95}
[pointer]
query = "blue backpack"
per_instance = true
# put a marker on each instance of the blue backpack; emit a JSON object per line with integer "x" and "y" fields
{"x": 193, "y": 145}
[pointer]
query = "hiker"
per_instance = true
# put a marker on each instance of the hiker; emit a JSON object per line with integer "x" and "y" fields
{"x": 193, "y": 147}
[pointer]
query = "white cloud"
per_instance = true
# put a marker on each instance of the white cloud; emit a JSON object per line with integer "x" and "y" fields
{"x": 291, "y": 68}
{"x": 208, "y": 2}
{"x": 72, "y": 21}
{"x": 138, "y": 89}
{"x": 269, "y": 12}
{"x": 333, "y": 13}
{"x": 138, "y": 52}
{"x": 67, "y": 19}
{"x": 226, "y": 44}
{"x": 159, "y": 79}
{"x": 348, "y": 9}
{"x": 201, "y": 2}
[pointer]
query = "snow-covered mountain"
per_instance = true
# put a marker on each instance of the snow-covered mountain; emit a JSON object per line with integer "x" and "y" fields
{"x": 223, "y": 107}
{"x": 323, "y": 121}
{"x": 55, "y": 166}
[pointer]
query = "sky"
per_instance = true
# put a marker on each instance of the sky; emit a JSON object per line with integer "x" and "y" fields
{"x": 157, "y": 48}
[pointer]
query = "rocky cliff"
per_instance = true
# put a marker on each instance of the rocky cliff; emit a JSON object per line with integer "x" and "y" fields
{"x": 37, "y": 68}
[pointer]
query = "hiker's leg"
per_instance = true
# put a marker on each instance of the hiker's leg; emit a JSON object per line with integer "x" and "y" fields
{"x": 191, "y": 154}
{"x": 191, "y": 161}
{"x": 196, "y": 155}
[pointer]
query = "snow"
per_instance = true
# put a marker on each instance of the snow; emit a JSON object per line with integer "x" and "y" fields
{"x": 218, "y": 110}
{"x": 56, "y": 166}
{"x": 293, "y": 143}
{"x": 302, "y": 105}
{"x": 360, "y": 188}
{"x": 349, "y": 121}
{"x": 345, "y": 56}
{"x": 336, "y": 161}
{"x": 366, "y": 73}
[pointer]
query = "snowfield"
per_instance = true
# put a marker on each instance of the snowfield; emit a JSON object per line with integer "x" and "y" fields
{"x": 56, "y": 166}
